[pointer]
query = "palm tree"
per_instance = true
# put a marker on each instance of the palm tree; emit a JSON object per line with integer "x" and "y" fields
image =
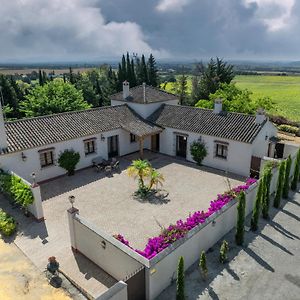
{"x": 139, "y": 169}
{"x": 155, "y": 178}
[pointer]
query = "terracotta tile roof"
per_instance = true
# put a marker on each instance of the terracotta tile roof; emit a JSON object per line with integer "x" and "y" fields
{"x": 152, "y": 95}
{"x": 233, "y": 126}
{"x": 40, "y": 131}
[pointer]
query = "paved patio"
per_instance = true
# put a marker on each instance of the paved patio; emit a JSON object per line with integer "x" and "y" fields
{"x": 108, "y": 203}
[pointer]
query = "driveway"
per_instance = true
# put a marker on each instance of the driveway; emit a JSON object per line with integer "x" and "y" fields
{"x": 267, "y": 267}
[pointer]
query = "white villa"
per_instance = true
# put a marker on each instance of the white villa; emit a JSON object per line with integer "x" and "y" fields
{"x": 139, "y": 118}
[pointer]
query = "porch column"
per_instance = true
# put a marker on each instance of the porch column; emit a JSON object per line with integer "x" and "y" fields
{"x": 141, "y": 140}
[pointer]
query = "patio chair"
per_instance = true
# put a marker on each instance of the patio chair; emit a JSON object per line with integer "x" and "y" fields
{"x": 108, "y": 169}
{"x": 116, "y": 165}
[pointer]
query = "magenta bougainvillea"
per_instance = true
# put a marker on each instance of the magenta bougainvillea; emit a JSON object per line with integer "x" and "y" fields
{"x": 179, "y": 230}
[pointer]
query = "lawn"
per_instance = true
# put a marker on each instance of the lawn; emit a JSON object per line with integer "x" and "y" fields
{"x": 283, "y": 90}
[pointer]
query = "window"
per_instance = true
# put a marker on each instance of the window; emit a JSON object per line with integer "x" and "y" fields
{"x": 89, "y": 147}
{"x": 46, "y": 158}
{"x": 221, "y": 150}
{"x": 132, "y": 138}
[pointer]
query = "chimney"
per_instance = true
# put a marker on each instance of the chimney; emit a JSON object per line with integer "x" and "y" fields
{"x": 3, "y": 138}
{"x": 144, "y": 92}
{"x": 125, "y": 89}
{"x": 218, "y": 106}
{"x": 260, "y": 116}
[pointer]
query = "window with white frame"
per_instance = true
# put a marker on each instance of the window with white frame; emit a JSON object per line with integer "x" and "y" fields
{"x": 221, "y": 150}
{"x": 89, "y": 146}
{"x": 47, "y": 157}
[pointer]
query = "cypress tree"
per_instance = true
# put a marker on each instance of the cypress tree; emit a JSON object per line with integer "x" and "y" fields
{"x": 123, "y": 66}
{"x": 152, "y": 71}
{"x": 203, "y": 266}
{"x": 286, "y": 186}
{"x": 45, "y": 77}
{"x": 257, "y": 205}
{"x": 180, "y": 295}
{"x": 134, "y": 83}
{"x": 241, "y": 209}
{"x": 280, "y": 182}
{"x": 128, "y": 69}
{"x": 143, "y": 71}
{"x": 120, "y": 78}
{"x": 41, "y": 82}
{"x": 296, "y": 172}
{"x": 223, "y": 252}
{"x": 266, "y": 198}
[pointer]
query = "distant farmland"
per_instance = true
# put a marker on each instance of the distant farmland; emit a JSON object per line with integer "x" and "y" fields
{"x": 283, "y": 90}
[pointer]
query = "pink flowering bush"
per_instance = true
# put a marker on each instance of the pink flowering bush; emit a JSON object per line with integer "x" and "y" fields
{"x": 179, "y": 230}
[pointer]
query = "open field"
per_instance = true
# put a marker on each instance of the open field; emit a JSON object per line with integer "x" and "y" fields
{"x": 283, "y": 90}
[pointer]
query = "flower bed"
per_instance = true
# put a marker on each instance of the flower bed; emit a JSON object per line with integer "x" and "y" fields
{"x": 180, "y": 229}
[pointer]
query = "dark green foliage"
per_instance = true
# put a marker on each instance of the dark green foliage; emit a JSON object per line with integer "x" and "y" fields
{"x": 198, "y": 151}
{"x": 181, "y": 88}
{"x": 267, "y": 174}
{"x": 180, "y": 295}
{"x": 280, "y": 182}
{"x": 17, "y": 190}
{"x": 257, "y": 205}
{"x": 286, "y": 186}
{"x": 240, "y": 226}
{"x": 296, "y": 172}
{"x": 211, "y": 76}
{"x": 7, "y": 224}
{"x": 223, "y": 252}
{"x": 54, "y": 97}
{"x": 68, "y": 161}
{"x": 152, "y": 71}
{"x": 203, "y": 265}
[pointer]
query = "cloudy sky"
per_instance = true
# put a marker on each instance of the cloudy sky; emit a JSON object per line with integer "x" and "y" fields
{"x": 60, "y": 30}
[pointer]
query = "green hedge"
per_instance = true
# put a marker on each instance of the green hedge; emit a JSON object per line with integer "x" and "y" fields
{"x": 289, "y": 129}
{"x": 19, "y": 191}
{"x": 7, "y": 224}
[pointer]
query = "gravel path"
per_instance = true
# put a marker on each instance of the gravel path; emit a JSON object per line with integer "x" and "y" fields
{"x": 267, "y": 267}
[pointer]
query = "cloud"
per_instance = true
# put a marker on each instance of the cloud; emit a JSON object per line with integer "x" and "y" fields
{"x": 172, "y": 5}
{"x": 69, "y": 29}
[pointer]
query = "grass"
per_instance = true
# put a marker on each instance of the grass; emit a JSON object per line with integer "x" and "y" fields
{"x": 284, "y": 91}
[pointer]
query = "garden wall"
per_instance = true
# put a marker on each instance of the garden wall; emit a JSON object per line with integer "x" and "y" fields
{"x": 116, "y": 292}
{"x": 112, "y": 256}
{"x": 163, "y": 267}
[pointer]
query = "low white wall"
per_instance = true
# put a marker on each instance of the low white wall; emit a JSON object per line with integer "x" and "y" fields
{"x": 289, "y": 149}
{"x": 163, "y": 266}
{"x": 116, "y": 292}
{"x": 36, "y": 208}
{"x": 112, "y": 256}
{"x": 239, "y": 154}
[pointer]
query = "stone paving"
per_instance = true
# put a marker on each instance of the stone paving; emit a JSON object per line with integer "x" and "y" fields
{"x": 267, "y": 267}
{"x": 107, "y": 202}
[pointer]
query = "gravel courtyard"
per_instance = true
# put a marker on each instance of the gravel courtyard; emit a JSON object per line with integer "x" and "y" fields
{"x": 267, "y": 267}
{"x": 108, "y": 202}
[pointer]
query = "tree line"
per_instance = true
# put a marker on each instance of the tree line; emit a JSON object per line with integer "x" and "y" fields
{"x": 74, "y": 91}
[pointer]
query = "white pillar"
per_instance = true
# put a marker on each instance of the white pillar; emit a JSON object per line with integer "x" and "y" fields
{"x": 3, "y": 138}
{"x": 72, "y": 212}
{"x": 36, "y": 208}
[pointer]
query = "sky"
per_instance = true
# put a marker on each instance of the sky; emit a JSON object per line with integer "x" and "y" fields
{"x": 92, "y": 30}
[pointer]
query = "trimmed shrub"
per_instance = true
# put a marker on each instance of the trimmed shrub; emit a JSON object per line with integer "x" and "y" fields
{"x": 289, "y": 129}
{"x": 267, "y": 173}
{"x": 257, "y": 205}
{"x": 7, "y": 224}
{"x": 280, "y": 183}
{"x": 296, "y": 172}
{"x": 286, "y": 185}
{"x": 198, "y": 152}
{"x": 68, "y": 161}
{"x": 203, "y": 266}
{"x": 223, "y": 252}
{"x": 241, "y": 209}
{"x": 180, "y": 295}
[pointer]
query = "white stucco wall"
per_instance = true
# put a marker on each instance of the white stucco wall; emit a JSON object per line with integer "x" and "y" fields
{"x": 260, "y": 145}
{"x": 116, "y": 292}
{"x": 239, "y": 154}
{"x": 164, "y": 265}
{"x": 14, "y": 162}
{"x": 144, "y": 110}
